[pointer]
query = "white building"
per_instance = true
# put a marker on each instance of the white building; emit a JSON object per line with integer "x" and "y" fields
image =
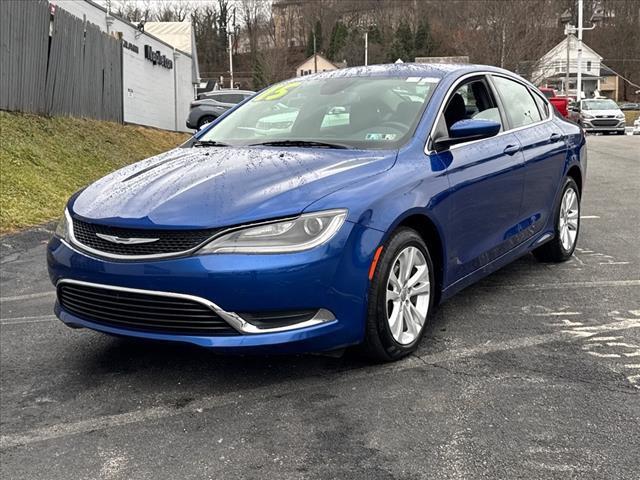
{"x": 313, "y": 64}
{"x": 551, "y": 69}
{"x": 159, "y": 77}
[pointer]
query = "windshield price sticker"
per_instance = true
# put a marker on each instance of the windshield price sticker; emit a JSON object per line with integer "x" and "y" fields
{"x": 277, "y": 91}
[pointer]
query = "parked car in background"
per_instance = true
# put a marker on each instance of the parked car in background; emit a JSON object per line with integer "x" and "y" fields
{"x": 636, "y": 127}
{"x": 213, "y": 104}
{"x": 206, "y": 87}
{"x": 599, "y": 115}
{"x": 560, "y": 103}
{"x": 630, "y": 106}
{"x": 344, "y": 220}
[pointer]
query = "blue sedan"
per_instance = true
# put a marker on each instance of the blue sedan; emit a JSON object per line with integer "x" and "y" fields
{"x": 327, "y": 211}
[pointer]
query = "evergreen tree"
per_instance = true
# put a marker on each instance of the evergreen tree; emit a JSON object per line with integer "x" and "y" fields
{"x": 424, "y": 45}
{"x": 337, "y": 42}
{"x": 403, "y": 44}
{"x": 318, "y": 33}
{"x": 258, "y": 77}
{"x": 375, "y": 35}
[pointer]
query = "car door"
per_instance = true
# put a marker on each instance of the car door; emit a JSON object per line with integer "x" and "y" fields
{"x": 543, "y": 148}
{"x": 486, "y": 181}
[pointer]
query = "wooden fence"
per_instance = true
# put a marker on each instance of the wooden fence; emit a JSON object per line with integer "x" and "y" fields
{"x": 64, "y": 66}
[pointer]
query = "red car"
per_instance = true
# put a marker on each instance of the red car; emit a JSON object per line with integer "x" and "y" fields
{"x": 561, "y": 103}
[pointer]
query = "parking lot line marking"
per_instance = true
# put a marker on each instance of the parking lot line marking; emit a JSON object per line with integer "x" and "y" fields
{"x": 559, "y": 285}
{"x": 622, "y": 344}
{"x": 604, "y": 355}
{"x": 27, "y": 296}
{"x": 582, "y": 217}
{"x": 20, "y": 320}
{"x": 633, "y": 379}
{"x": 292, "y": 386}
{"x": 556, "y": 314}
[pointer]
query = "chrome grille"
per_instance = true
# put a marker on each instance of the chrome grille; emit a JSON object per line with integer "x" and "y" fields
{"x": 169, "y": 241}
{"x": 141, "y": 311}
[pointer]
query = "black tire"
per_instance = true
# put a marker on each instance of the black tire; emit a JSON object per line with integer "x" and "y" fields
{"x": 204, "y": 120}
{"x": 553, "y": 250}
{"x": 379, "y": 343}
{"x": 620, "y": 132}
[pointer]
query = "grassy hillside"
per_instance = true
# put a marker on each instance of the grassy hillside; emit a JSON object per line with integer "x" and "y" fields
{"x": 44, "y": 160}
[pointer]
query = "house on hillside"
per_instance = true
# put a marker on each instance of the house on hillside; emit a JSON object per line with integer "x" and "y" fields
{"x": 551, "y": 69}
{"x": 315, "y": 63}
{"x": 597, "y": 78}
{"x": 610, "y": 84}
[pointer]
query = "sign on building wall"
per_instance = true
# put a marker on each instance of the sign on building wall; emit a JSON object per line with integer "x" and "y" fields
{"x": 156, "y": 57}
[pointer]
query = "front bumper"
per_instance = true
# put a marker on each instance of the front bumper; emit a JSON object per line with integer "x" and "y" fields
{"x": 595, "y": 125}
{"x": 333, "y": 277}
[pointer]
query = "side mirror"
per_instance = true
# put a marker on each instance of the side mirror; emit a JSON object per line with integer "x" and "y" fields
{"x": 466, "y": 131}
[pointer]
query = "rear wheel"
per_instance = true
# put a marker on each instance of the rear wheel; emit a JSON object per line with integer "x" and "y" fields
{"x": 567, "y": 226}
{"x": 205, "y": 120}
{"x": 401, "y": 297}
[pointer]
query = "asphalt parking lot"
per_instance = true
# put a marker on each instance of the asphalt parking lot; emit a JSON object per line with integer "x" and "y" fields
{"x": 532, "y": 373}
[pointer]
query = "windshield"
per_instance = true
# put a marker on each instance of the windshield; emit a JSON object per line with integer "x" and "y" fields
{"x": 605, "y": 104}
{"x": 353, "y": 112}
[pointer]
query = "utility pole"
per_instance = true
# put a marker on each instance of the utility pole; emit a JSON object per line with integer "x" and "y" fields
{"x": 597, "y": 17}
{"x": 566, "y": 77}
{"x": 315, "y": 57}
{"x": 579, "y": 75}
{"x": 230, "y": 60}
{"x": 232, "y": 38}
{"x": 366, "y": 47}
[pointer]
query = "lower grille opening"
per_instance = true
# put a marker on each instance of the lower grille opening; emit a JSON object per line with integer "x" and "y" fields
{"x": 278, "y": 319}
{"x": 604, "y": 123}
{"x": 141, "y": 311}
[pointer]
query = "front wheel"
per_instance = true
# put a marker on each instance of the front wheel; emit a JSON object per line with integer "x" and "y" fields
{"x": 401, "y": 297}
{"x": 567, "y": 226}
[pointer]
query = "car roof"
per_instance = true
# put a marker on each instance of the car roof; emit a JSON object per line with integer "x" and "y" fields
{"x": 437, "y": 70}
{"x": 227, "y": 90}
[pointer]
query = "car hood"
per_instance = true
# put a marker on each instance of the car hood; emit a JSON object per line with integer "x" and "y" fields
{"x": 215, "y": 187}
{"x": 603, "y": 112}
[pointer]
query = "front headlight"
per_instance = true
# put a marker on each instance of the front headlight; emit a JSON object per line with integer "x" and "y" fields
{"x": 62, "y": 229}
{"x": 302, "y": 233}
{"x": 620, "y": 116}
{"x": 587, "y": 115}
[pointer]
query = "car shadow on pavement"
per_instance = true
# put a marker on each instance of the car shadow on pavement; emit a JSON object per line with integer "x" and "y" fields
{"x": 161, "y": 363}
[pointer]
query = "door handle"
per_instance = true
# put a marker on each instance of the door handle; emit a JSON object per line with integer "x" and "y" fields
{"x": 556, "y": 137}
{"x": 511, "y": 149}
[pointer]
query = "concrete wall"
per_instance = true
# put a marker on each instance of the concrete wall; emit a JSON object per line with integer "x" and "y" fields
{"x": 150, "y": 97}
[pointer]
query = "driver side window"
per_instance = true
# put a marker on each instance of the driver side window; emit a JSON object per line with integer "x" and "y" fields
{"x": 471, "y": 100}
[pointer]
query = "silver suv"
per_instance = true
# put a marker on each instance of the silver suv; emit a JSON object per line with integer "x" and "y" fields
{"x": 213, "y": 104}
{"x": 599, "y": 115}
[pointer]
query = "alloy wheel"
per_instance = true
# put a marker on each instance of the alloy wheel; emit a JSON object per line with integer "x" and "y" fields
{"x": 408, "y": 292}
{"x": 569, "y": 218}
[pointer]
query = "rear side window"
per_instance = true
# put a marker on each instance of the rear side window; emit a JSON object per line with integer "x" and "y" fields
{"x": 543, "y": 106}
{"x": 518, "y": 103}
{"x": 231, "y": 98}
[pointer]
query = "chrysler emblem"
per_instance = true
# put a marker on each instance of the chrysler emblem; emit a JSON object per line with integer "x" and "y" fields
{"x": 126, "y": 241}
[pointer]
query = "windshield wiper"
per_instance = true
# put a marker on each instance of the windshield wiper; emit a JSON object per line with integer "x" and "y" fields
{"x": 209, "y": 143}
{"x": 298, "y": 143}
